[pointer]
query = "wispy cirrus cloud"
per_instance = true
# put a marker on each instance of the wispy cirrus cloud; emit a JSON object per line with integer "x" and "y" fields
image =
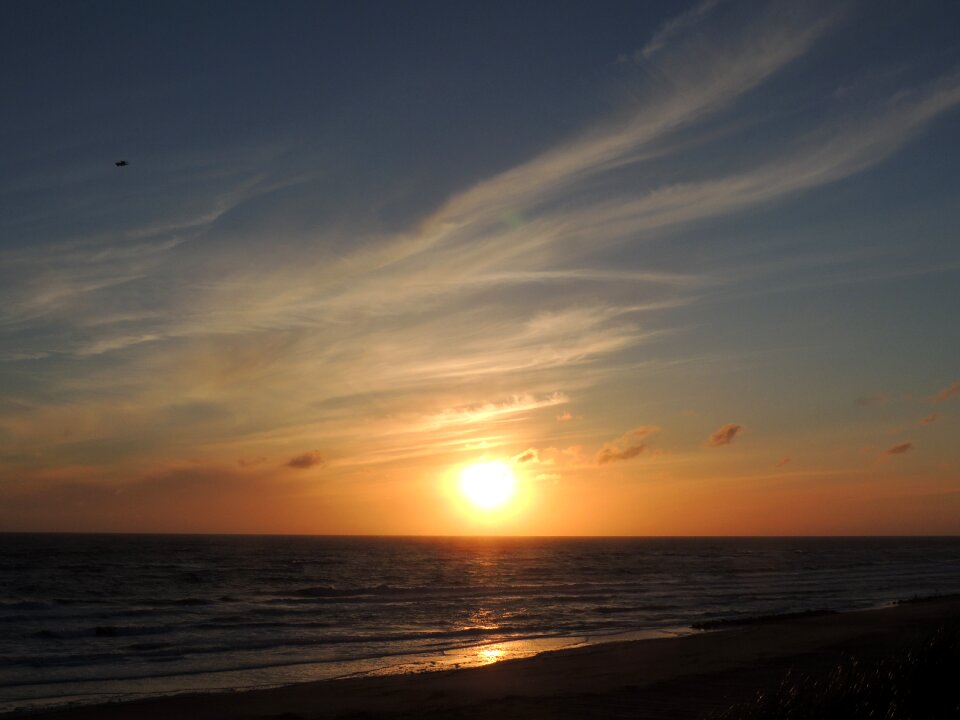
{"x": 492, "y": 411}
{"x": 676, "y": 26}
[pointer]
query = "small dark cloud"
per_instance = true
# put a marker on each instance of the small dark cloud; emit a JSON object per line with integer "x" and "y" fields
{"x": 612, "y": 454}
{"x": 931, "y": 418}
{"x": 898, "y": 449}
{"x": 723, "y": 436}
{"x": 629, "y": 445}
{"x": 528, "y": 455}
{"x": 783, "y": 461}
{"x": 948, "y": 392}
{"x": 251, "y": 462}
{"x": 871, "y": 401}
{"x": 307, "y": 460}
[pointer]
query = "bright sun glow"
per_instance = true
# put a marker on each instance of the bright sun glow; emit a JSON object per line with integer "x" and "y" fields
{"x": 487, "y": 485}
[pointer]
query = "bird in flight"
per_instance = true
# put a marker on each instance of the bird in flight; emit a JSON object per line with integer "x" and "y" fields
{"x": 121, "y": 163}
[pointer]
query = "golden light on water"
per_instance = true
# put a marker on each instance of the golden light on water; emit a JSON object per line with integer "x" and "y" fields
{"x": 490, "y": 654}
{"x": 488, "y": 485}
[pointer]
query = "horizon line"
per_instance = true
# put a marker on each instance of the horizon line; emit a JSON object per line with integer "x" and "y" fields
{"x": 475, "y": 536}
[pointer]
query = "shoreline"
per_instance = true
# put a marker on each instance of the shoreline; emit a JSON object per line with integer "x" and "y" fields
{"x": 654, "y": 678}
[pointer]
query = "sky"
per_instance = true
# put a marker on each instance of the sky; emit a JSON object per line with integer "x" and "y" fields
{"x": 682, "y": 268}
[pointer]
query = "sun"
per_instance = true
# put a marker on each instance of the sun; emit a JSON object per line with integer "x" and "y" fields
{"x": 487, "y": 486}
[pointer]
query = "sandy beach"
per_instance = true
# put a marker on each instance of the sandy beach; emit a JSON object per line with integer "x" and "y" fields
{"x": 684, "y": 677}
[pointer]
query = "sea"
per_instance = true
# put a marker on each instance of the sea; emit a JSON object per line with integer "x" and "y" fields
{"x": 97, "y": 618}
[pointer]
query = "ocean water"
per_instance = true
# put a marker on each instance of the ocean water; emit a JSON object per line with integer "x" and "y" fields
{"x": 90, "y": 618}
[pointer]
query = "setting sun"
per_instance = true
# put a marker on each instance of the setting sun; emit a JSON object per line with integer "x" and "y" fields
{"x": 487, "y": 486}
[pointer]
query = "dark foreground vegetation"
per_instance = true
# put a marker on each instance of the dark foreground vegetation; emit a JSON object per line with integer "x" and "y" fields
{"x": 921, "y": 683}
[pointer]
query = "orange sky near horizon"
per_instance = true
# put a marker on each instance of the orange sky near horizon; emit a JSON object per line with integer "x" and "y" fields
{"x": 659, "y": 490}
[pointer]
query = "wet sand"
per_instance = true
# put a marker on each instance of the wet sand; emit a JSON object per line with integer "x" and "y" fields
{"x": 655, "y": 679}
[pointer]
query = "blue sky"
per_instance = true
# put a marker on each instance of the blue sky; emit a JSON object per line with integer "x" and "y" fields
{"x": 360, "y": 246}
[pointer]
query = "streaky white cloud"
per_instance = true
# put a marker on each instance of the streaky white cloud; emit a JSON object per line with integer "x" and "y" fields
{"x": 699, "y": 79}
{"x": 109, "y": 344}
{"x": 477, "y": 251}
{"x": 677, "y": 25}
{"x": 492, "y": 411}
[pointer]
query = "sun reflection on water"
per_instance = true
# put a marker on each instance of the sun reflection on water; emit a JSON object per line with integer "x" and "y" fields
{"x": 489, "y": 654}
{"x": 494, "y": 652}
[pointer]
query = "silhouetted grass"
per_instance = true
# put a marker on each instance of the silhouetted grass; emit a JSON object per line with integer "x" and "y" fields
{"x": 922, "y": 683}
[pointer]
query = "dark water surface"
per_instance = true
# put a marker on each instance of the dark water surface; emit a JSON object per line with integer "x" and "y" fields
{"x": 87, "y": 618}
